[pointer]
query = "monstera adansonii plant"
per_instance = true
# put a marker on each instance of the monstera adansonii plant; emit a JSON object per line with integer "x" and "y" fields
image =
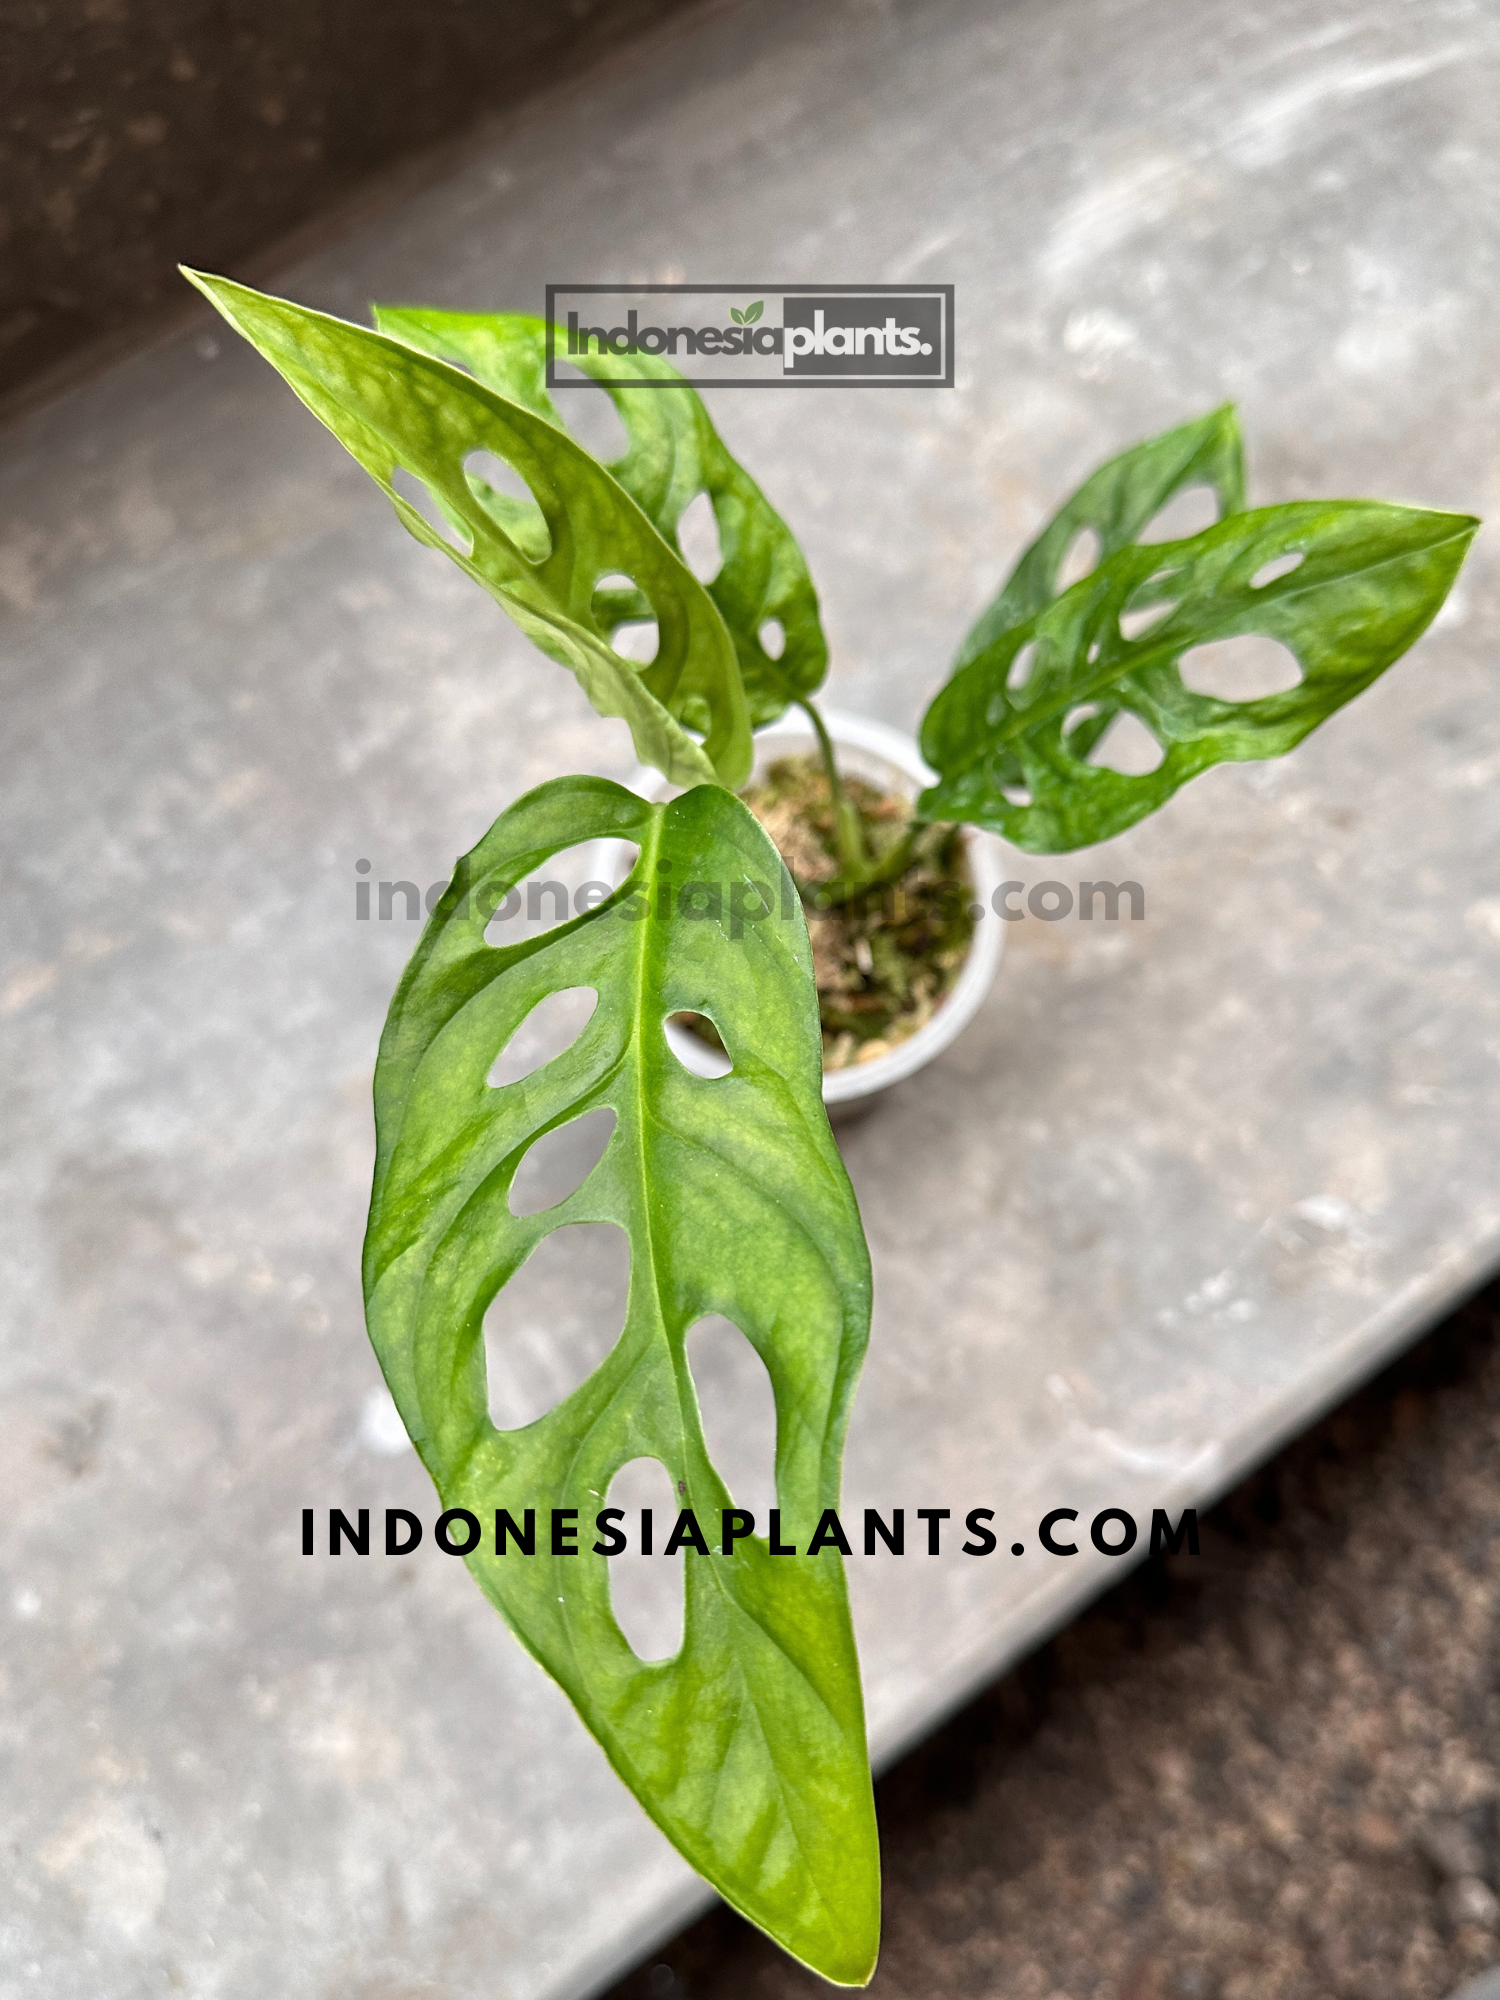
{"x": 747, "y": 1748}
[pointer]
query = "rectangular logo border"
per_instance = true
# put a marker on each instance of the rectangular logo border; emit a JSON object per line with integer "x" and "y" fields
{"x": 945, "y": 381}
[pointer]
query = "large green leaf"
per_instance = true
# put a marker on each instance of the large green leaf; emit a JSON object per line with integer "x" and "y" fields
{"x": 674, "y": 453}
{"x": 1116, "y": 503}
{"x": 396, "y": 408}
{"x": 1012, "y": 757}
{"x": 747, "y": 1748}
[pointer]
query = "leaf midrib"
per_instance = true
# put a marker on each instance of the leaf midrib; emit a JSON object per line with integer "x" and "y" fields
{"x": 647, "y": 867}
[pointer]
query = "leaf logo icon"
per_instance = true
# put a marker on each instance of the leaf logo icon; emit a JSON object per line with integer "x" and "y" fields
{"x": 752, "y": 313}
{"x": 736, "y": 315}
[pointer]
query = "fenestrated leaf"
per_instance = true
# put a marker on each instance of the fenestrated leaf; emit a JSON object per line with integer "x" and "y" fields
{"x": 393, "y": 407}
{"x": 747, "y": 1748}
{"x": 1369, "y": 580}
{"x": 674, "y": 453}
{"x": 1116, "y": 503}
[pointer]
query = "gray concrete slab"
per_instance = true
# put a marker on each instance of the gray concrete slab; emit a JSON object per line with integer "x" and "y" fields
{"x": 1183, "y": 1182}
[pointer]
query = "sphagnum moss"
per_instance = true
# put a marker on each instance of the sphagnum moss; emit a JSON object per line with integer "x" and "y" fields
{"x": 885, "y": 960}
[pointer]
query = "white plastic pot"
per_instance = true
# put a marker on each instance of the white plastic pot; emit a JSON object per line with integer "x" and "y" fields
{"x": 883, "y": 757}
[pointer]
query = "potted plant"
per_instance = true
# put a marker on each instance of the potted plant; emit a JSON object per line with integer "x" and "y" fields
{"x": 747, "y": 1747}
{"x": 901, "y": 967}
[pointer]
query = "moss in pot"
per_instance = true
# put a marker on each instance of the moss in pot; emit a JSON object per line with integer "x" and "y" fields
{"x": 879, "y": 763}
{"x": 747, "y": 1747}
{"x": 885, "y": 958}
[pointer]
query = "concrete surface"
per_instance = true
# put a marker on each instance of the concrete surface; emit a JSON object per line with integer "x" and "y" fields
{"x": 1181, "y": 1183}
{"x": 139, "y": 134}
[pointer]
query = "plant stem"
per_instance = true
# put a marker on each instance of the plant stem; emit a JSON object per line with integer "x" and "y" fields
{"x": 858, "y": 872}
{"x": 848, "y": 836}
{"x": 891, "y": 869}
{"x": 896, "y": 863}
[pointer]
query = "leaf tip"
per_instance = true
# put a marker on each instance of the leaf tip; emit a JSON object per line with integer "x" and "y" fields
{"x": 221, "y": 293}
{"x": 1451, "y": 529}
{"x": 849, "y": 1956}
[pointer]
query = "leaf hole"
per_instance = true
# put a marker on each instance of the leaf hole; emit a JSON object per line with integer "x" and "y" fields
{"x": 1128, "y": 747}
{"x": 738, "y": 1407}
{"x": 772, "y": 636}
{"x": 1083, "y": 726}
{"x": 647, "y": 1593}
{"x": 1282, "y": 565}
{"x": 485, "y": 470}
{"x": 573, "y": 882}
{"x": 1187, "y": 513}
{"x": 1079, "y": 559}
{"x": 421, "y": 497}
{"x": 590, "y": 414}
{"x": 1017, "y": 795}
{"x": 698, "y": 538}
{"x": 1019, "y": 671}
{"x": 560, "y": 1161}
{"x": 618, "y": 606}
{"x": 1135, "y": 624}
{"x": 556, "y": 1321}
{"x": 1154, "y": 588}
{"x": 1248, "y": 667}
{"x": 619, "y": 597}
{"x": 637, "y": 641}
{"x": 697, "y": 1045}
{"x": 503, "y": 493}
{"x": 553, "y": 1025}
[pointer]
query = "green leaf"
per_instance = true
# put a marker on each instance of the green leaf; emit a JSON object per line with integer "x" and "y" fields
{"x": 1115, "y": 503}
{"x": 736, "y": 315}
{"x": 747, "y": 1748}
{"x": 753, "y": 312}
{"x": 1369, "y": 579}
{"x": 674, "y": 453}
{"x": 393, "y": 407}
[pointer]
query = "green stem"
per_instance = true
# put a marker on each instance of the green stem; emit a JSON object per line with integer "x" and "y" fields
{"x": 891, "y": 869}
{"x": 848, "y": 837}
{"x": 896, "y": 863}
